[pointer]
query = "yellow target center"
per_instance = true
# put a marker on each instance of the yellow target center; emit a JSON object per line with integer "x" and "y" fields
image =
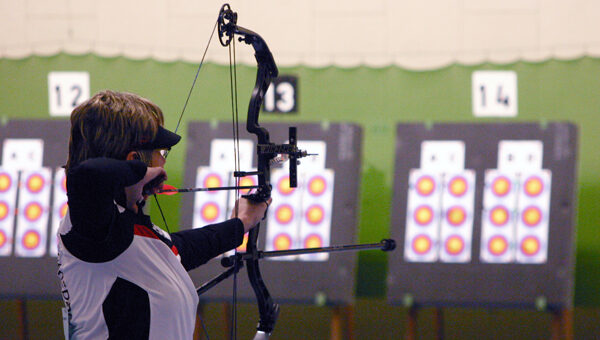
{"x": 284, "y": 214}
{"x": 5, "y": 182}
{"x": 422, "y": 244}
{"x": 501, "y": 186}
{"x": 425, "y": 185}
{"x": 315, "y": 214}
{"x": 313, "y": 241}
{"x": 242, "y": 246}
{"x": 317, "y": 186}
{"x": 3, "y": 210}
{"x": 458, "y": 186}
{"x": 210, "y": 211}
{"x": 31, "y": 240}
{"x": 282, "y": 242}
{"x": 454, "y": 245}
{"x": 532, "y": 216}
{"x": 35, "y": 183}
{"x": 499, "y": 216}
{"x": 284, "y": 186}
{"x": 533, "y": 186}
{"x": 456, "y": 215}
{"x": 423, "y": 215}
{"x": 246, "y": 182}
{"x": 498, "y": 245}
{"x": 33, "y": 211}
{"x": 530, "y": 246}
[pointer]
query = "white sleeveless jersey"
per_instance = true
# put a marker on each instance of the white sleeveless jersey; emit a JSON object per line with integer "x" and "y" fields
{"x": 146, "y": 281}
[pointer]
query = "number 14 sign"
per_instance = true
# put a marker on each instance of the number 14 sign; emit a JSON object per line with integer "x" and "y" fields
{"x": 494, "y": 93}
{"x": 66, "y": 90}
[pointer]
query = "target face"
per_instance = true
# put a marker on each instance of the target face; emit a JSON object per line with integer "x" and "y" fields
{"x": 458, "y": 186}
{"x": 283, "y": 186}
{"x": 315, "y": 214}
{"x": 63, "y": 210}
{"x": 498, "y": 245}
{"x": 282, "y": 242}
{"x": 501, "y": 186}
{"x": 425, "y": 185}
{"x": 5, "y": 182}
{"x": 3, "y": 238}
{"x": 422, "y": 244}
{"x": 454, "y": 245}
{"x": 31, "y": 240}
{"x": 3, "y": 210}
{"x": 242, "y": 247}
{"x": 423, "y": 215}
{"x": 284, "y": 214}
{"x": 212, "y": 181}
{"x": 533, "y": 186}
{"x": 246, "y": 182}
{"x": 317, "y": 185}
{"x": 210, "y": 211}
{"x": 456, "y": 215}
{"x": 302, "y": 214}
{"x": 499, "y": 216}
{"x": 530, "y": 246}
{"x": 532, "y": 216}
{"x": 313, "y": 241}
{"x": 33, "y": 211}
{"x": 35, "y": 183}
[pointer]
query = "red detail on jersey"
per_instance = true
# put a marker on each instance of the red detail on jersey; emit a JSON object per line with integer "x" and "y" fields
{"x": 142, "y": 230}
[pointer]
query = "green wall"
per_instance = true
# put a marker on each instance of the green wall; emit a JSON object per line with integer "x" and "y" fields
{"x": 375, "y": 98}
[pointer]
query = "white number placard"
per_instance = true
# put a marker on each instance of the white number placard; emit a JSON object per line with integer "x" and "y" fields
{"x": 66, "y": 90}
{"x": 494, "y": 93}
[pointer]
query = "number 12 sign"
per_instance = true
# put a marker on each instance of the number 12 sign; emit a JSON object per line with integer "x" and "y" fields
{"x": 494, "y": 93}
{"x": 66, "y": 90}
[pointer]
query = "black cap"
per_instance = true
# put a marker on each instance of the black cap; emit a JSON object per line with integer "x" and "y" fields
{"x": 164, "y": 140}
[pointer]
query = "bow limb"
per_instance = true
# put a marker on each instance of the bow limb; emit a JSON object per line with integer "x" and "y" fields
{"x": 266, "y": 71}
{"x": 268, "y": 309}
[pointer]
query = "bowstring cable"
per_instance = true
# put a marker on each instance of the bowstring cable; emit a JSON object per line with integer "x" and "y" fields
{"x": 187, "y": 99}
{"x": 236, "y": 145}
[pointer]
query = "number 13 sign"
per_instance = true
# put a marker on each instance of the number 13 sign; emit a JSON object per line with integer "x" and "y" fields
{"x": 66, "y": 90}
{"x": 494, "y": 93}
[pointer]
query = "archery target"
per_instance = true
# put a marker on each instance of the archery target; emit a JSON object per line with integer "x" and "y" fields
{"x": 210, "y": 206}
{"x": 282, "y": 232}
{"x": 59, "y": 207}
{"x": 498, "y": 215}
{"x": 34, "y": 207}
{"x": 422, "y": 218}
{"x": 533, "y": 217}
{"x": 317, "y": 201}
{"x": 300, "y": 217}
{"x": 458, "y": 202}
{"x": 440, "y": 205}
{"x": 8, "y": 198}
{"x": 516, "y": 205}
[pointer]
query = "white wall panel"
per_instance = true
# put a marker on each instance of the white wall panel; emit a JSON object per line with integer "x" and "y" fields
{"x": 414, "y": 34}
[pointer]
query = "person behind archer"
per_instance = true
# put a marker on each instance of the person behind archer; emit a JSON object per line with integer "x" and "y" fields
{"x": 121, "y": 276}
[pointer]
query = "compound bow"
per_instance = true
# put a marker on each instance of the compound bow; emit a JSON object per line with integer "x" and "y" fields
{"x": 267, "y": 154}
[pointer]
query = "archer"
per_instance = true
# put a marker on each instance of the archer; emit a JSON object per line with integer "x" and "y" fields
{"x": 122, "y": 276}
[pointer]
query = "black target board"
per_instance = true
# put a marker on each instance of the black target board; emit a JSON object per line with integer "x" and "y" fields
{"x": 32, "y": 199}
{"x": 320, "y": 212}
{"x": 483, "y": 214}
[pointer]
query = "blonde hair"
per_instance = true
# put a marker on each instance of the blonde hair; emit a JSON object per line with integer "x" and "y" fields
{"x": 111, "y": 124}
